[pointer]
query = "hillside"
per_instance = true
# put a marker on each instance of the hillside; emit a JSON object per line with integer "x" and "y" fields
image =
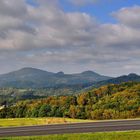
{"x": 132, "y": 77}
{"x": 36, "y": 78}
{"x": 107, "y": 102}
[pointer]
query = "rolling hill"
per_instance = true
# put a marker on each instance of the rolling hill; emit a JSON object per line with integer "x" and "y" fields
{"x": 36, "y": 78}
{"x": 132, "y": 77}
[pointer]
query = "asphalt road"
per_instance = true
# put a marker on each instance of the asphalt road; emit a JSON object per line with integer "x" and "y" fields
{"x": 72, "y": 128}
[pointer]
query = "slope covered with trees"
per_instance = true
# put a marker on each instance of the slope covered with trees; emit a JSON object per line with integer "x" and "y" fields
{"x": 107, "y": 102}
{"x": 10, "y": 96}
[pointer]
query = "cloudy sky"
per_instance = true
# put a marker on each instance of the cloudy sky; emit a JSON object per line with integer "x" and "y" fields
{"x": 70, "y": 35}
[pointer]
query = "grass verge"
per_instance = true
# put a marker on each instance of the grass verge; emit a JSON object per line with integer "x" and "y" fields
{"x": 13, "y": 122}
{"x": 37, "y": 121}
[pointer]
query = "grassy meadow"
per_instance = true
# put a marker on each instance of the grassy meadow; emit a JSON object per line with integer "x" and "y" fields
{"x": 131, "y": 135}
{"x": 13, "y": 122}
{"x": 37, "y": 121}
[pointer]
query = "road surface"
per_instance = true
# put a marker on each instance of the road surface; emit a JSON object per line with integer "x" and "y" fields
{"x": 103, "y": 126}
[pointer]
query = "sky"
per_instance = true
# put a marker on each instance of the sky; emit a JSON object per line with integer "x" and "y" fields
{"x": 70, "y": 35}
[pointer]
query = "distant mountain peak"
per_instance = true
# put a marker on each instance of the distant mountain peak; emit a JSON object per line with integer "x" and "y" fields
{"x": 60, "y": 73}
{"x": 29, "y": 69}
{"x": 133, "y": 75}
{"x": 89, "y": 72}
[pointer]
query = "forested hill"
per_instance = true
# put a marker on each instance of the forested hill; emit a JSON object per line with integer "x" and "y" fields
{"x": 107, "y": 102}
{"x": 118, "y": 80}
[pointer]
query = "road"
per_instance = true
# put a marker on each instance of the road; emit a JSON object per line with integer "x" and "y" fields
{"x": 102, "y": 126}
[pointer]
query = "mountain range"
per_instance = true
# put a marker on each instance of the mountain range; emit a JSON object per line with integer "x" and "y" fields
{"x": 36, "y": 78}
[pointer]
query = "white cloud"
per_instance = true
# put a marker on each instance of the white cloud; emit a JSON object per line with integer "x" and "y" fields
{"x": 13, "y": 8}
{"x": 47, "y": 37}
{"x": 129, "y": 16}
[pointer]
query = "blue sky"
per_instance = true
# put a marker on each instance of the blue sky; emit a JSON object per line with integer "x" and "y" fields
{"x": 70, "y": 35}
{"x": 101, "y": 10}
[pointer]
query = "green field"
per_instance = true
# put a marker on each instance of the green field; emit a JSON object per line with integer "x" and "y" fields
{"x": 13, "y": 122}
{"x": 36, "y": 121}
{"x": 132, "y": 135}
